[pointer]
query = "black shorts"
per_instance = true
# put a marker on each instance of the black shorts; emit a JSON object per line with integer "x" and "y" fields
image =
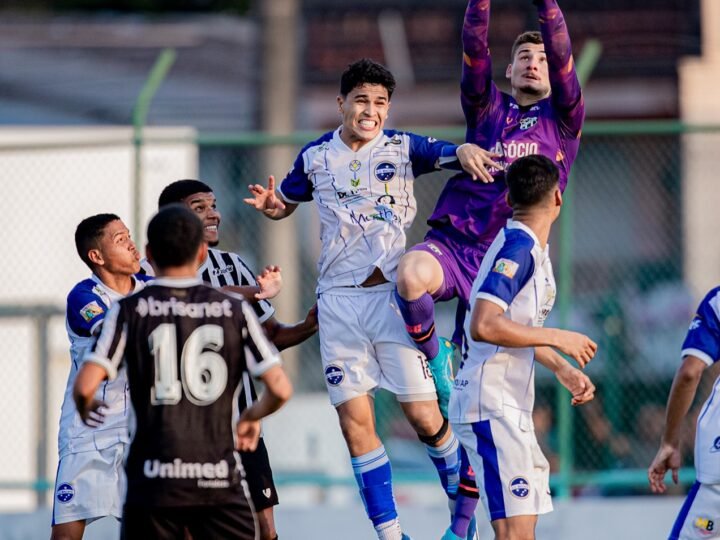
{"x": 258, "y": 475}
{"x": 234, "y": 521}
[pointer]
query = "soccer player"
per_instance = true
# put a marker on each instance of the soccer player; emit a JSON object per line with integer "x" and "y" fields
{"x": 699, "y": 516}
{"x": 543, "y": 114}
{"x": 227, "y": 270}
{"x": 494, "y": 391}
{"x": 361, "y": 178}
{"x": 185, "y": 346}
{"x": 90, "y": 482}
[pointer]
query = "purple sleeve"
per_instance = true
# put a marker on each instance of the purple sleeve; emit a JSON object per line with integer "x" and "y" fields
{"x": 703, "y": 337}
{"x": 565, "y": 87}
{"x": 478, "y": 93}
{"x": 511, "y": 270}
{"x": 428, "y": 154}
{"x": 85, "y": 312}
{"x": 296, "y": 187}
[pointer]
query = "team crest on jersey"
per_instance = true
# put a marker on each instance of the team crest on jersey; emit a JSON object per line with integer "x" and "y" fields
{"x": 91, "y": 310}
{"x": 65, "y": 493}
{"x": 527, "y": 123}
{"x": 385, "y": 171}
{"x": 506, "y": 267}
{"x": 519, "y": 487}
{"x": 354, "y": 168}
{"x": 334, "y": 375}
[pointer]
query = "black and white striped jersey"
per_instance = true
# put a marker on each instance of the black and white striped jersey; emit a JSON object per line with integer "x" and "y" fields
{"x": 186, "y": 347}
{"x": 223, "y": 268}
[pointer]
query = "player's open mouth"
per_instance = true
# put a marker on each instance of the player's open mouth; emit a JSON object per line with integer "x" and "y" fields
{"x": 367, "y": 124}
{"x": 211, "y": 228}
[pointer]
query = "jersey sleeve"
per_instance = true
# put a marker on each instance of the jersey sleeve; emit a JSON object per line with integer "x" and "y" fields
{"x": 85, "y": 312}
{"x": 260, "y": 354}
{"x": 263, "y": 309}
{"x": 566, "y": 93}
{"x": 478, "y": 94}
{"x": 296, "y": 187}
{"x": 428, "y": 154}
{"x": 512, "y": 268}
{"x": 109, "y": 350}
{"x": 703, "y": 336}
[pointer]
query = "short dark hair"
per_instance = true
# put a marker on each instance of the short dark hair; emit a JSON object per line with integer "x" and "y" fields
{"x": 88, "y": 233}
{"x": 174, "y": 235}
{"x": 530, "y": 179}
{"x": 366, "y": 71}
{"x": 533, "y": 36}
{"x": 178, "y": 190}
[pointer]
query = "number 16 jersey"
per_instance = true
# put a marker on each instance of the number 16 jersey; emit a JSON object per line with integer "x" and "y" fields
{"x": 185, "y": 346}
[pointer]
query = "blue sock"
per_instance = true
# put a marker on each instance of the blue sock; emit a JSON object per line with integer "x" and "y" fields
{"x": 419, "y": 317}
{"x": 374, "y": 477}
{"x": 467, "y": 498}
{"x": 446, "y": 459}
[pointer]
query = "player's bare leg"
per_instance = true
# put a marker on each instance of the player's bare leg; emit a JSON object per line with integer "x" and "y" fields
{"x": 515, "y": 528}
{"x": 72, "y": 530}
{"x": 419, "y": 276}
{"x": 370, "y": 465}
{"x": 266, "y": 522}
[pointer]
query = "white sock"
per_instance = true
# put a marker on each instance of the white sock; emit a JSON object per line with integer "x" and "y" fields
{"x": 390, "y": 530}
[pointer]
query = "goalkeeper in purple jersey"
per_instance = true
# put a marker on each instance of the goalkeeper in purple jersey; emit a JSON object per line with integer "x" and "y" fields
{"x": 543, "y": 114}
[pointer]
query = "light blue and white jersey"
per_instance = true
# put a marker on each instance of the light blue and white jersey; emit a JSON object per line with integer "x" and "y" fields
{"x": 365, "y": 199}
{"x": 87, "y": 304}
{"x": 703, "y": 342}
{"x": 493, "y": 381}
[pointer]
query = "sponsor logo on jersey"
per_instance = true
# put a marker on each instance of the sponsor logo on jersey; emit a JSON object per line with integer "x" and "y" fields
{"x": 178, "y": 308}
{"x": 224, "y": 270}
{"x": 516, "y": 149}
{"x": 395, "y": 140}
{"x": 91, "y": 310}
{"x": 267, "y": 492}
{"x": 460, "y": 383}
{"x": 65, "y": 493}
{"x": 431, "y": 140}
{"x": 519, "y": 487}
{"x": 334, "y": 375}
{"x": 506, "y": 267}
{"x": 177, "y": 468}
{"x": 695, "y": 324}
{"x": 385, "y": 171}
{"x": 527, "y": 123}
{"x": 705, "y": 527}
{"x": 715, "y": 445}
{"x": 535, "y": 108}
{"x": 355, "y": 165}
{"x": 432, "y": 247}
{"x": 351, "y": 196}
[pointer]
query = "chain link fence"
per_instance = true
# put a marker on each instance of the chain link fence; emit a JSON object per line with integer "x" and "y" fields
{"x": 618, "y": 253}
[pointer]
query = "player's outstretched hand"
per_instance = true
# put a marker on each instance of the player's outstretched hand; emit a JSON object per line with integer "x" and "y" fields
{"x": 264, "y": 199}
{"x": 578, "y": 346}
{"x": 270, "y": 282}
{"x": 579, "y": 384}
{"x": 477, "y": 162}
{"x": 248, "y": 433}
{"x": 311, "y": 319}
{"x": 93, "y": 415}
{"x": 667, "y": 458}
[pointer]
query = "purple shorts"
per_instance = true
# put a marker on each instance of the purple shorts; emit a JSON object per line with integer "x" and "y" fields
{"x": 460, "y": 264}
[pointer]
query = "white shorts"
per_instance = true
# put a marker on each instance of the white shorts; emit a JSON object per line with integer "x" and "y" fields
{"x": 699, "y": 516}
{"x": 364, "y": 345}
{"x": 511, "y": 472}
{"x": 90, "y": 485}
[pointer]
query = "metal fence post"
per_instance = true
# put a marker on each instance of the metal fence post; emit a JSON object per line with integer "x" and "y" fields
{"x": 140, "y": 111}
{"x": 587, "y": 60}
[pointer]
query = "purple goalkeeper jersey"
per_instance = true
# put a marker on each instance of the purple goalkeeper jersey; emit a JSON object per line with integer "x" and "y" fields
{"x": 471, "y": 212}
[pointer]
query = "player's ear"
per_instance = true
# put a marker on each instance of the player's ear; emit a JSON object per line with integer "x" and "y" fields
{"x": 95, "y": 257}
{"x": 558, "y": 197}
{"x": 508, "y": 71}
{"x": 340, "y": 102}
{"x": 202, "y": 253}
{"x": 508, "y": 200}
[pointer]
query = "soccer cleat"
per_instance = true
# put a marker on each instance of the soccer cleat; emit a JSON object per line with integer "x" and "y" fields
{"x": 441, "y": 369}
{"x": 449, "y": 535}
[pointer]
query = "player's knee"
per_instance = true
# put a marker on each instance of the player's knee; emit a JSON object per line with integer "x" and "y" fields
{"x": 414, "y": 276}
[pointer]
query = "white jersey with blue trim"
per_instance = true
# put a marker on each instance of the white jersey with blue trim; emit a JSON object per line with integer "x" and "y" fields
{"x": 703, "y": 342}
{"x": 87, "y": 305}
{"x": 494, "y": 381}
{"x": 365, "y": 199}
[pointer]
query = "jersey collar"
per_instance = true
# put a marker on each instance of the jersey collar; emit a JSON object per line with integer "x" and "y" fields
{"x": 337, "y": 140}
{"x": 512, "y": 224}
{"x": 182, "y": 283}
{"x": 112, "y": 294}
